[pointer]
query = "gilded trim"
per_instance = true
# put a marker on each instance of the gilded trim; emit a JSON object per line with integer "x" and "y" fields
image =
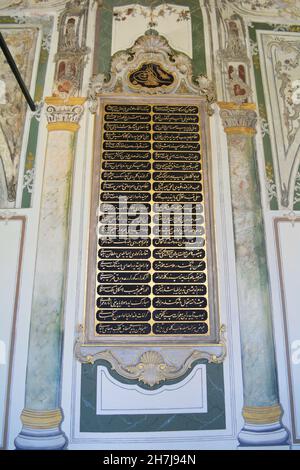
{"x": 262, "y": 414}
{"x": 46, "y": 419}
{"x": 240, "y": 130}
{"x": 235, "y": 106}
{"x": 71, "y": 101}
{"x": 63, "y": 126}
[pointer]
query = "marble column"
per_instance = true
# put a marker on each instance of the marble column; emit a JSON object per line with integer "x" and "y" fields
{"x": 261, "y": 411}
{"x": 42, "y": 415}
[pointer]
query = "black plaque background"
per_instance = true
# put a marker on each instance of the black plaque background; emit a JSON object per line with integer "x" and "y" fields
{"x": 152, "y": 285}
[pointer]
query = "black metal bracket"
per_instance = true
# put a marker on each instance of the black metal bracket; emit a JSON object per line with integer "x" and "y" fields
{"x": 16, "y": 73}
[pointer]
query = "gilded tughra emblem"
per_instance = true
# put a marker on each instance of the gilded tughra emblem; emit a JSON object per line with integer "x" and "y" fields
{"x": 151, "y": 76}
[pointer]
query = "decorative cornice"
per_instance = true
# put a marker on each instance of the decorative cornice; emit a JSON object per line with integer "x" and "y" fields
{"x": 151, "y": 49}
{"x": 262, "y": 414}
{"x": 64, "y": 115}
{"x": 151, "y": 368}
{"x": 238, "y": 119}
{"x": 45, "y": 419}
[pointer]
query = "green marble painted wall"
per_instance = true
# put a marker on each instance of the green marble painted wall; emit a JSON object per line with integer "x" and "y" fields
{"x": 213, "y": 419}
{"x": 103, "y": 37}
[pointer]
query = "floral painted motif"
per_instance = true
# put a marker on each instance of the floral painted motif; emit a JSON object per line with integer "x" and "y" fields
{"x": 287, "y": 69}
{"x": 151, "y": 14}
{"x": 270, "y": 183}
{"x": 279, "y": 91}
{"x": 29, "y": 180}
{"x": 297, "y": 189}
{"x": 268, "y": 7}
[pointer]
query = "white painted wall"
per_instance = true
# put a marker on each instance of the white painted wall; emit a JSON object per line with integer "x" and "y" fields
{"x": 10, "y": 263}
{"x": 75, "y": 293}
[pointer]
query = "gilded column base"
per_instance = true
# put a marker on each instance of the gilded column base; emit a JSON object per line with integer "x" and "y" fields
{"x": 263, "y": 427}
{"x": 41, "y": 431}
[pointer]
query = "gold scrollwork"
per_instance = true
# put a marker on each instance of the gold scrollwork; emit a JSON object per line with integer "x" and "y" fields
{"x": 150, "y": 75}
{"x": 151, "y": 367}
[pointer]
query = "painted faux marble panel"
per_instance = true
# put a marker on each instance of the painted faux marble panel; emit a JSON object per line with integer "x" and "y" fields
{"x": 284, "y": 55}
{"x": 276, "y": 61}
{"x": 212, "y": 419}
{"x": 22, "y": 44}
{"x": 40, "y": 25}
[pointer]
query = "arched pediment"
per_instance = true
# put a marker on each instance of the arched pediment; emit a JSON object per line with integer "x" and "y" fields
{"x": 150, "y": 67}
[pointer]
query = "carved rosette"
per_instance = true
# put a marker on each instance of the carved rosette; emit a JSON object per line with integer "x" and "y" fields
{"x": 152, "y": 51}
{"x": 238, "y": 119}
{"x": 64, "y": 115}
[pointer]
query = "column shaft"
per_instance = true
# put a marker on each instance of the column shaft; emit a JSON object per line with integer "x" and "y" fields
{"x": 42, "y": 416}
{"x": 261, "y": 411}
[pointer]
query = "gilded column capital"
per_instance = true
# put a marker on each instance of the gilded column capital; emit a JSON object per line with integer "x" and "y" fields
{"x": 64, "y": 115}
{"x": 238, "y": 119}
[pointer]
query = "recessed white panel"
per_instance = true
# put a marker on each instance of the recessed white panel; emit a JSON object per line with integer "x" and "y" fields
{"x": 187, "y": 396}
{"x": 10, "y": 237}
{"x": 289, "y": 243}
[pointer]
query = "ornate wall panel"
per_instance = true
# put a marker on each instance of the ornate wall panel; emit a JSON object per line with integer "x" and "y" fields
{"x": 107, "y": 19}
{"x": 152, "y": 291}
{"x": 152, "y": 274}
{"x": 24, "y": 33}
{"x": 275, "y": 54}
{"x": 22, "y": 44}
{"x": 267, "y": 8}
{"x": 72, "y": 51}
{"x": 151, "y": 319}
{"x": 187, "y": 420}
